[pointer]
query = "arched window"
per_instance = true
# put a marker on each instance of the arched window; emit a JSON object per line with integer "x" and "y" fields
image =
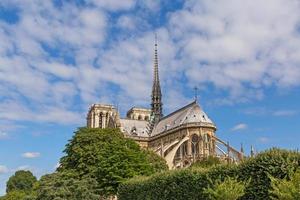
{"x": 100, "y": 120}
{"x": 195, "y": 144}
{"x": 140, "y": 117}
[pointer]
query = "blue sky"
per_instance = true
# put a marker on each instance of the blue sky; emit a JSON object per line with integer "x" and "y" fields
{"x": 59, "y": 57}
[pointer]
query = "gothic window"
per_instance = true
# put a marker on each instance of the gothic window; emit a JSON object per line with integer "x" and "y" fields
{"x": 195, "y": 144}
{"x": 100, "y": 120}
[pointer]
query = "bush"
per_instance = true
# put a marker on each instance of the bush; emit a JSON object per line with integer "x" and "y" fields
{"x": 229, "y": 189}
{"x": 191, "y": 183}
{"x": 178, "y": 184}
{"x": 275, "y": 162}
{"x": 285, "y": 189}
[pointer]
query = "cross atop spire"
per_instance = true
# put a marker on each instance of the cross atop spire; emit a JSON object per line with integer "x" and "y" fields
{"x": 156, "y": 103}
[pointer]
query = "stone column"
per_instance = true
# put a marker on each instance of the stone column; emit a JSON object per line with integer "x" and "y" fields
{"x": 93, "y": 119}
{"x": 96, "y": 120}
{"x": 104, "y": 120}
{"x": 189, "y": 144}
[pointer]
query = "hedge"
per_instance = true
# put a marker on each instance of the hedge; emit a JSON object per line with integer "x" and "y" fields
{"x": 179, "y": 184}
{"x": 190, "y": 183}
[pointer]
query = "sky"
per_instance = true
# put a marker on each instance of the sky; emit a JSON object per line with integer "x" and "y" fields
{"x": 58, "y": 57}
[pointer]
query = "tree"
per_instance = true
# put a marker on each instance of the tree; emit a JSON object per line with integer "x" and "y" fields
{"x": 14, "y": 195}
{"x": 108, "y": 157}
{"x": 284, "y": 189}
{"x": 20, "y": 181}
{"x": 229, "y": 189}
{"x": 66, "y": 185}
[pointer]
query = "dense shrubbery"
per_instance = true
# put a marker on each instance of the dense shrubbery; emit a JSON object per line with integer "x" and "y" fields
{"x": 191, "y": 183}
{"x": 229, "y": 189}
{"x": 178, "y": 184}
{"x": 287, "y": 188}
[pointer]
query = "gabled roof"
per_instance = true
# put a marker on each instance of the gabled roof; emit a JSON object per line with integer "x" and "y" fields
{"x": 190, "y": 113}
{"x": 134, "y": 127}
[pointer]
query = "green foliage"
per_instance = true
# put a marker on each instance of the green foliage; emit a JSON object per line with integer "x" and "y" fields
{"x": 108, "y": 157}
{"x": 275, "y": 162}
{"x": 207, "y": 162}
{"x": 284, "y": 189}
{"x": 229, "y": 189}
{"x": 190, "y": 183}
{"x": 178, "y": 184}
{"x": 14, "y": 195}
{"x": 21, "y": 180}
{"x": 66, "y": 185}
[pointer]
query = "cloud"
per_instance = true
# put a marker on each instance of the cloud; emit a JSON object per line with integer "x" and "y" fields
{"x": 239, "y": 127}
{"x": 239, "y": 46}
{"x": 113, "y": 5}
{"x": 3, "y": 169}
{"x": 262, "y": 111}
{"x": 31, "y": 155}
{"x": 283, "y": 113}
{"x": 71, "y": 55}
{"x": 23, "y": 167}
{"x": 263, "y": 140}
{"x": 3, "y": 135}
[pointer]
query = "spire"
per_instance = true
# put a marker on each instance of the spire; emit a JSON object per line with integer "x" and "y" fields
{"x": 156, "y": 104}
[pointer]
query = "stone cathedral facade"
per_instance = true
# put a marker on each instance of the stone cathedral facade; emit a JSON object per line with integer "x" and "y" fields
{"x": 181, "y": 137}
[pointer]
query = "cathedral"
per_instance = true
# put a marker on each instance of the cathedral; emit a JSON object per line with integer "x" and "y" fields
{"x": 181, "y": 137}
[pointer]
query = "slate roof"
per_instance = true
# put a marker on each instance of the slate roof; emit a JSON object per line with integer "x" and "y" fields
{"x": 191, "y": 113}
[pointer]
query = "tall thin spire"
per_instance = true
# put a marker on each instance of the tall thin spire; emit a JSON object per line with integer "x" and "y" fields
{"x": 156, "y": 97}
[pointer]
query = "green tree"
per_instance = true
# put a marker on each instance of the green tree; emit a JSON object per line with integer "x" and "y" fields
{"x": 21, "y": 181}
{"x": 66, "y": 185}
{"x": 229, "y": 189}
{"x": 14, "y": 195}
{"x": 108, "y": 157}
{"x": 284, "y": 189}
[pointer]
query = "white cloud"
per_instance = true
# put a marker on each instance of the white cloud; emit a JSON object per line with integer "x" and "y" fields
{"x": 264, "y": 111}
{"x": 282, "y": 113}
{"x": 239, "y": 45}
{"x": 3, "y": 135}
{"x": 264, "y": 139}
{"x": 31, "y": 154}
{"x": 113, "y": 4}
{"x": 23, "y": 167}
{"x": 239, "y": 127}
{"x": 3, "y": 169}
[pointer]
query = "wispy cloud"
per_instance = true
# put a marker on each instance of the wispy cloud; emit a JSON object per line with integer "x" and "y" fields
{"x": 31, "y": 155}
{"x": 3, "y": 169}
{"x": 264, "y": 111}
{"x": 282, "y": 113}
{"x": 3, "y": 135}
{"x": 264, "y": 140}
{"x": 239, "y": 127}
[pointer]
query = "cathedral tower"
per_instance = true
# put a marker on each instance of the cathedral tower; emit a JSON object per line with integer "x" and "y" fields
{"x": 156, "y": 97}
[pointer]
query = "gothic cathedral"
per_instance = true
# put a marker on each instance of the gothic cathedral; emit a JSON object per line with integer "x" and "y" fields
{"x": 181, "y": 137}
